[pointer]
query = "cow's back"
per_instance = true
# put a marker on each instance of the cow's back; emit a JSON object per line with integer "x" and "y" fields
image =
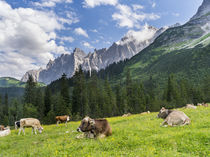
{"x": 102, "y": 126}
{"x": 177, "y": 118}
{"x": 29, "y": 122}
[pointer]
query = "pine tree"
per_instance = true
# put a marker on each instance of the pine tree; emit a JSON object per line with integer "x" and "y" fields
{"x": 129, "y": 90}
{"x": 110, "y": 105}
{"x": 47, "y": 101}
{"x": 65, "y": 90}
{"x": 79, "y": 96}
{"x": 6, "y": 105}
{"x": 93, "y": 96}
{"x": 30, "y": 91}
{"x": 39, "y": 103}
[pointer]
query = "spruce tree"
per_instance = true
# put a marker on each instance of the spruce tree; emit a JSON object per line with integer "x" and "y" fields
{"x": 79, "y": 95}
{"x": 47, "y": 101}
{"x": 30, "y": 91}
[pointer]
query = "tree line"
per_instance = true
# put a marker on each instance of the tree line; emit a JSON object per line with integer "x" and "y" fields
{"x": 89, "y": 95}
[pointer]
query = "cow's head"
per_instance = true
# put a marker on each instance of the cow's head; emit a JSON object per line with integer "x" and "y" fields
{"x": 87, "y": 124}
{"x": 40, "y": 129}
{"x": 68, "y": 118}
{"x": 163, "y": 113}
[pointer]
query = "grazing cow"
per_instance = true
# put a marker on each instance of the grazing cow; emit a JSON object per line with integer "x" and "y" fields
{"x": 143, "y": 113}
{"x": 60, "y": 119}
{"x": 192, "y": 106}
{"x": 17, "y": 125}
{"x": 126, "y": 115}
{"x": 30, "y": 122}
{"x": 173, "y": 117}
{"x": 97, "y": 127}
{"x": 5, "y": 132}
{"x": 2, "y": 128}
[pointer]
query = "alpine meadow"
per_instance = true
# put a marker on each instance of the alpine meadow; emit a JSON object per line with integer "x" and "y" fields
{"x": 104, "y": 78}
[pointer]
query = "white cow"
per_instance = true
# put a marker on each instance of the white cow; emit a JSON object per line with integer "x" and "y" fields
{"x": 173, "y": 117}
{"x": 30, "y": 122}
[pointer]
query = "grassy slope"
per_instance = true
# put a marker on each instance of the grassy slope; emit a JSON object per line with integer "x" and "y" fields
{"x": 137, "y": 135}
{"x": 6, "y": 82}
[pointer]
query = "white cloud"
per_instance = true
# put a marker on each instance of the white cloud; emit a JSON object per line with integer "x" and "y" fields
{"x": 80, "y": 31}
{"x": 137, "y": 7}
{"x": 27, "y": 39}
{"x": 141, "y": 35}
{"x": 50, "y": 3}
{"x": 176, "y": 14}
{"x": 94, "y": 3}
{"x": 68, "y": 39}
{"x": 94, "y": 30}
{"x": 153, "y": 4}
{"x": 86, "y": 44}
{"x": 128, "y": 17}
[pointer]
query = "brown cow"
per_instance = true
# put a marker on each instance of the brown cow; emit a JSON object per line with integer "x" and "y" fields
{"x": 2, "y": 128}
{"x": 97, "y": 127}
{"x": 203, "y": 104}
{"x": 60, "y": 119}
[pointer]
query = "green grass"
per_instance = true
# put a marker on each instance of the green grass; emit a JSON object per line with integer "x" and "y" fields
{"x": 137, "y": 135}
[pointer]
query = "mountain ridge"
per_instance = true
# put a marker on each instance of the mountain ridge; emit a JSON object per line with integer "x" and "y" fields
{"x": 127, "y": 47}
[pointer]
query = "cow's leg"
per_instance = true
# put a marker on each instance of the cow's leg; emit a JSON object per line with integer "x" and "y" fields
{"x": 35, "y": 128}
{"x": 66, "y": 123}
{"x": 23, "y": 130}
{"x": 19, "y": 131}
{"x": 32, "y": 130}
{"x": 163, "y": 123}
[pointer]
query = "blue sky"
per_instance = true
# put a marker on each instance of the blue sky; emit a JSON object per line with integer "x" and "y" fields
{"x": 44, "y": 29}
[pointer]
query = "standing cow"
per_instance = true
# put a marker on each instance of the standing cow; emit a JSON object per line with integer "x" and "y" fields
{"x": 30, "y": 122}
{"x": 60, "y": 119}
{"x": 173, "y": 117}
{"x": 96, "y": 127}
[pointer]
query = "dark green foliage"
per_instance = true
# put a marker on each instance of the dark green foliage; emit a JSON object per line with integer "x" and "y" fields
{"x": 47, "y": 101}
{"x": 79, "y": 95}
{"x": 30, "y": 91}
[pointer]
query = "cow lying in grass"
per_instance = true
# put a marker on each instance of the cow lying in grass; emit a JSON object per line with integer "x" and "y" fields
{"x": 93, "y": 128}
{"x": 5, "y": 132}
{"x": 203, "y": 104}
{"x": 30, "y": 122}
{"x": 60, "y": 119}
{"x": 191, "y": 106}
{"x": 173, "y": 117}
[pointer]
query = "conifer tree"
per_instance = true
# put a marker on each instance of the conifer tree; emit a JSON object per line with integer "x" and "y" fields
{"x": 47, "y": 101}
{"x": 79, "y": 95}
{"x": 30, "y": 91}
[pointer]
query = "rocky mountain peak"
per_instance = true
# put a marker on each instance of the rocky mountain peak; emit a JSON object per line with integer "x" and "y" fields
{"x": 79, "y": 52}
{"x": 203, "y": 10}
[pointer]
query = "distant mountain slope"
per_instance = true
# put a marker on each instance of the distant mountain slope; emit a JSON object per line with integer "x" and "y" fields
{"x": 131, "y": 44}
{"x": 184, "y": 50}
{"x": 7, "y": 82}
{"x": 10, "y": 82}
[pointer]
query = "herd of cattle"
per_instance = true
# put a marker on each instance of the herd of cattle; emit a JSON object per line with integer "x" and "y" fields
{"x": 93, "y": 128}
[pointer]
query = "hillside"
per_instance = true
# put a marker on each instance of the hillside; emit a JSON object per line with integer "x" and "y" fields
{"x": 10, "y": 82}
{"x": 6, "y": 82}
{"x": 183, "y": 50}
{"x": 137, "y": 135}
